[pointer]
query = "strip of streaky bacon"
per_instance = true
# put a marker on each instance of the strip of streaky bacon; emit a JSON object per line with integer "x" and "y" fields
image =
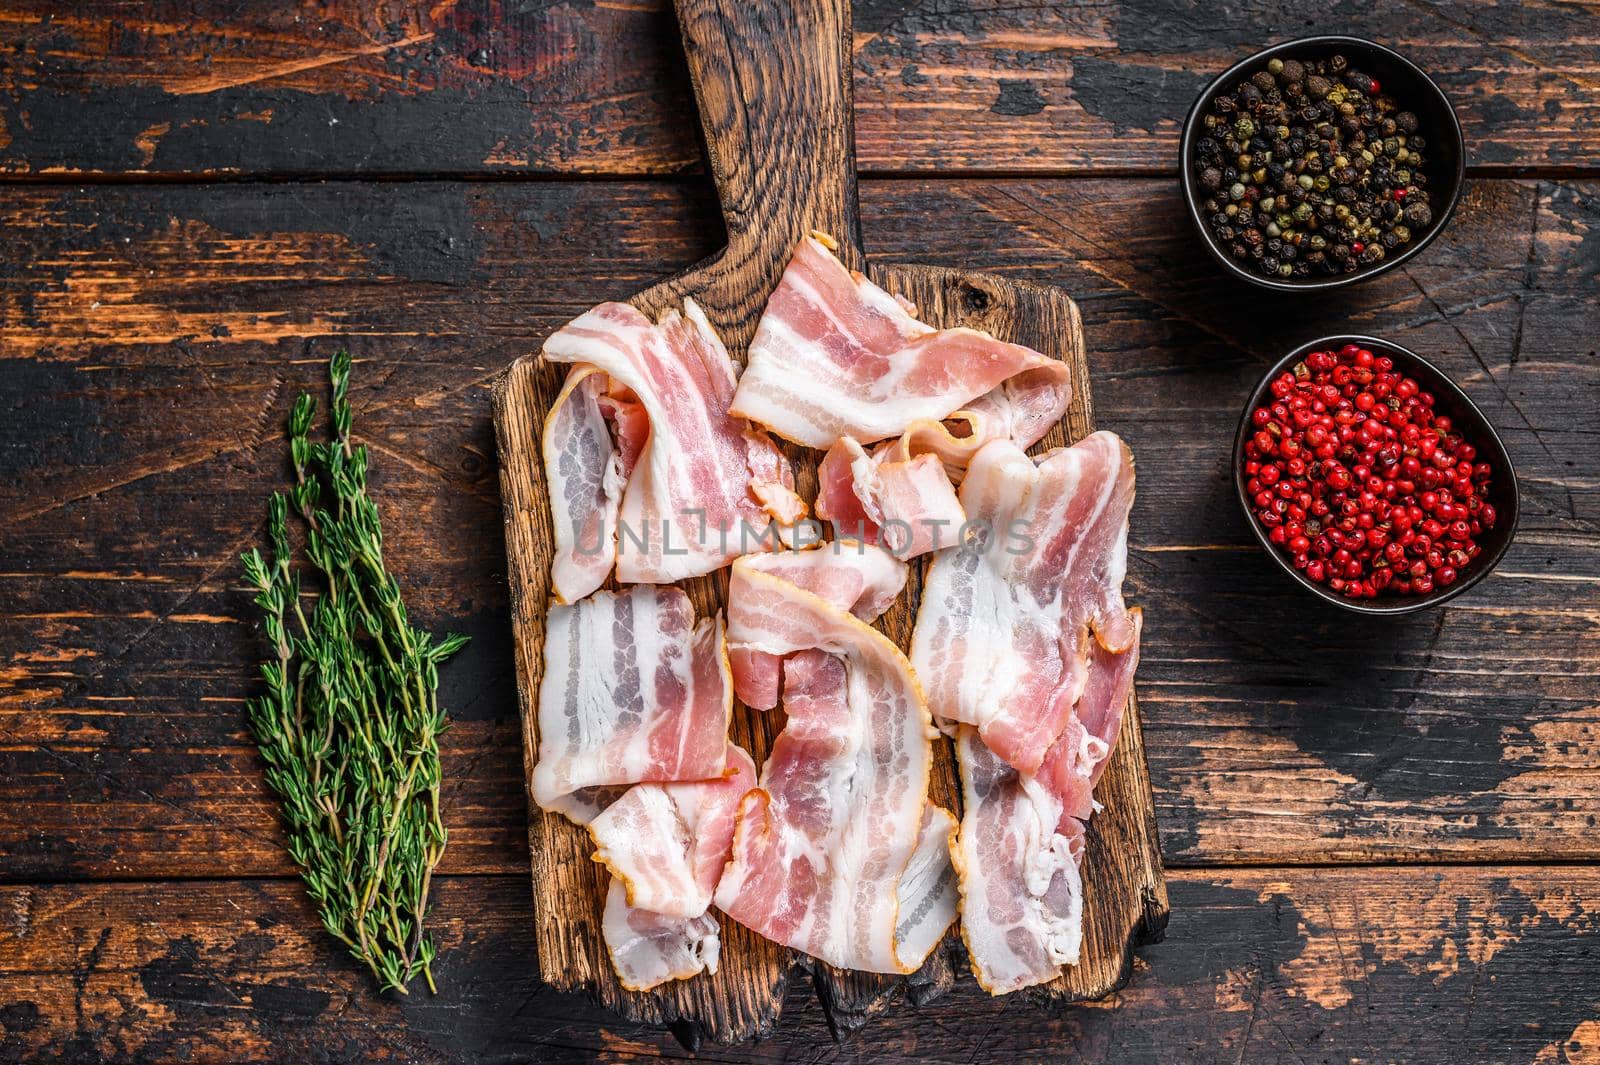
{"x": 1076, "y": 761}
{"x": 1029, "y": 654}
{"x": 1021, "y": 888}
{"x": 665, "y": 846}
{"x": 851, "y": 575}
{"x": 641, "y": 399}
{"x": 908, "y": 506}
{"x": 835, "y": 355}
{"x": 837, "y": 852}
{"x": 1003, "y": 632}
{"x": 634, "y": 690}
{"x": 1020, "y": 849}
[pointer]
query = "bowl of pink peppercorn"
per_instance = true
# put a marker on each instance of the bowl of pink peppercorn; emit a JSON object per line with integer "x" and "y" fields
{"x": 1371, "y": 478}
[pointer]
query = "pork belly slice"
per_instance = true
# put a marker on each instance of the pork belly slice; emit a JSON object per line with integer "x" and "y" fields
{"x": 909, "y": 507}
{"x": 647, "y": 471}
{"x": 1021, "y": 890}
{"x": 836, "y": 356}
{"x": 1020, "y": 848}
{"x": 650, "y": 949}
{"x": 853, "y": 576}
{"x": 665, "y": 846}
{"x": 1077, "y": 760}
{"x": 634, "y": 689}
{"x": 837, "y": 852}
{"x": 1003, "y": 632}
{"x": 1028, "y": 654}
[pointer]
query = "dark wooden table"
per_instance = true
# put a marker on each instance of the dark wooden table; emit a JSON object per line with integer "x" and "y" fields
{"x": 1380, "y": 835}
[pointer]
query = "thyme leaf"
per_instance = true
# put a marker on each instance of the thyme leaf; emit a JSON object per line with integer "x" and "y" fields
{"x": 350, "y": 721}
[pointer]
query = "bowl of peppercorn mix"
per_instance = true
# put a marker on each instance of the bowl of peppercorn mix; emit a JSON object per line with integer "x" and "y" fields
{"x": 1319, "y": 163}
{"x": 1373, "y": 480}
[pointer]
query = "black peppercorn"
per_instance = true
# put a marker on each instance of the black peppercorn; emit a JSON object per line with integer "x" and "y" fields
{"x": 1310, "y": 170}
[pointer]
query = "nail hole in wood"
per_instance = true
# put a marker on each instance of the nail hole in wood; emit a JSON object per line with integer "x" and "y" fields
{"x": 974, "y": 300}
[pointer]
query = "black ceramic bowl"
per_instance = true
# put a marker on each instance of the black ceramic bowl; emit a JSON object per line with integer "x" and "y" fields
{"x": 1463, "y": 413}
{"x": 1401, "y": 79}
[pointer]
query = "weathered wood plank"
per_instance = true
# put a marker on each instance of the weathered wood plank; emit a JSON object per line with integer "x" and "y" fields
{"x": 1264, "y": 965}
{"x": 153, "y": 336}
{"x": 478, "y": 86}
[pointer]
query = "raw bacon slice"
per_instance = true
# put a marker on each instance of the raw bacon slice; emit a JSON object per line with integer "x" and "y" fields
{"x": 584, "y": 474}
{"x": 668, "y": 842}
{"x": 835, "y": 355}
{"x": 908, "y": 506}
{"x": 824, "y": 853}
{"x": 853, "y": 576}
{"x": 1029, "y": 653}
{"x": 1021, "y": 410}
{"x": 641, "y": 399}
{"x": 1003, "y": 632}
{"x": 665, "y": 846}
{"x": 1078, "y": 758}
{"x": 1022, "y": 894}
{"x": 927, "y": 897}
{"x": 1020, "y": 849}
{"x": 634, "y": 690}
{"x": 649, "y": 949}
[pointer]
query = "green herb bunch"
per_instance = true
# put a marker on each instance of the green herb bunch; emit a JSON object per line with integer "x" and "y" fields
{"x": 350, "y": 722}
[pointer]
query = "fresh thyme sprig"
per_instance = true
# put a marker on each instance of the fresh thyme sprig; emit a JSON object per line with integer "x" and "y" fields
{"x": 350, "y": 722}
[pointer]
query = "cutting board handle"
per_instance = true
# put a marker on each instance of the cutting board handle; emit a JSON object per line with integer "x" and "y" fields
{"x": 772, "y": 80}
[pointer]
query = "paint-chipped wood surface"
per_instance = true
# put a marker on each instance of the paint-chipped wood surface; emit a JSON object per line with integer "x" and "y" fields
{"x": 1380, "y": 836}
{"x": 497, "y": 87}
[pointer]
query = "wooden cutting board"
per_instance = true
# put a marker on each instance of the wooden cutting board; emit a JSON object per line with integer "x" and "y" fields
{"x": 772, "y": 81}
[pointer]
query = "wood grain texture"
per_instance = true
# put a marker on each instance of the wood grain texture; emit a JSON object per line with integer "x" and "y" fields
{"x": 773, "y": 93}
{"x": 1428, "y": 966}
{"x": 488, "y": 87}
{"x": 1275, "y": 733}
{"x": 152, "y": 337}
{"x": 772, "y": 87}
